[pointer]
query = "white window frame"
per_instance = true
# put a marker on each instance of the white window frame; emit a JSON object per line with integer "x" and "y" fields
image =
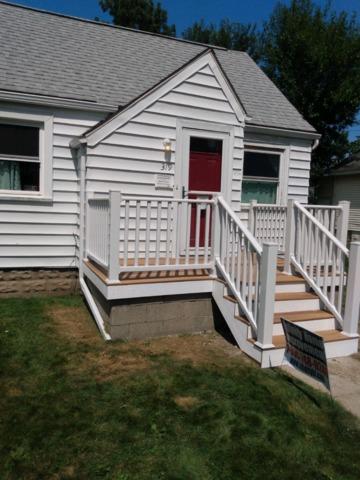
{"x": 45, "y": 125}
{"x": 185, "y": 129}
{"x": 282, "y": 181}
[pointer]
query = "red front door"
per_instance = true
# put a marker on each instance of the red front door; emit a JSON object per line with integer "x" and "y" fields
{"x": 204, "y": 176}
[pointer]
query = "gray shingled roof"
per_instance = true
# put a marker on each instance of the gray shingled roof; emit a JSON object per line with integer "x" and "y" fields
{"x": 49, "y": 54}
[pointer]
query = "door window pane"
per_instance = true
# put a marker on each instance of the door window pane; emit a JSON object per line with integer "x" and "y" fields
{"x": 209, "y": 145}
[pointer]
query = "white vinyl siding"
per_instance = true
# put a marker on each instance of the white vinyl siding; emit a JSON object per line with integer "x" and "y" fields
{"x": 347, "y": 187}
{"x": 130, "y": 158}
{"x": 45, "y": 233}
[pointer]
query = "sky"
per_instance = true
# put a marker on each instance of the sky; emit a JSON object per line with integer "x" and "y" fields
{"x": 185, "y": 12}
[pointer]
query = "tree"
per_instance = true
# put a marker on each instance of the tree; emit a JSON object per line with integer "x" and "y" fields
{"x": 232, "y": 35}
{"x": 140, "y": 14}
{"x": 313, "y": 55}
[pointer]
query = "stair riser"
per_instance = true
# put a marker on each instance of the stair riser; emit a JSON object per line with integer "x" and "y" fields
{"x": 343, "y": 348}
{"x": 290, "y": 287}
{"x": 281, "y": 288}
{"x": 297, "y": 305}
{"x": 312, "y": 325}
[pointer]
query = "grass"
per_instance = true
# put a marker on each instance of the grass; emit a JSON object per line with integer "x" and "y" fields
{"x": 184, "y": 408}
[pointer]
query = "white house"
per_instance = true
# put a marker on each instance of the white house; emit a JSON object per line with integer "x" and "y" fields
{"x": 343, "y": 183}
{"x": 136, "y": 160}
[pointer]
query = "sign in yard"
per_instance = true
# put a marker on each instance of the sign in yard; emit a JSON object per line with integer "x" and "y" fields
{"x": 306, "y": 351}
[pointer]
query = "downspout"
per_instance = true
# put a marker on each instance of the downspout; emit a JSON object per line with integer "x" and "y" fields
{"x": 315, "y": 144}
{"x": 81, "y": 154}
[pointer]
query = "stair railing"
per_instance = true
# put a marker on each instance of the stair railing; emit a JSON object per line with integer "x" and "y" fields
{"x": 330, "y": 269}
{"x": 248, "y": 269}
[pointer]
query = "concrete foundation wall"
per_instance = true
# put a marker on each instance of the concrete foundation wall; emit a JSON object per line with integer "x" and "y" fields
{"x": 32, "y": 282}
{"x": 144, "y": 318}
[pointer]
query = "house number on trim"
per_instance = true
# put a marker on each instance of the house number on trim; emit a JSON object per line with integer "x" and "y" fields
{"x": 166, "y": 167}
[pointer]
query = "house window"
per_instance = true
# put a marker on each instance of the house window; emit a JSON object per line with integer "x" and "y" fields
{"x": 260, "y": 177}
{"x": 19, "y": 157}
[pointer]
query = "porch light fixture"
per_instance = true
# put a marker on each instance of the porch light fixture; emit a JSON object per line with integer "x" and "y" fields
{"x": 167, "y": 145}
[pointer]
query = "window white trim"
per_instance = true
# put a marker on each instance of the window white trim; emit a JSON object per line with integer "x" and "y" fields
{"x": 283, "y": 180}
{"x": 45, "y": 125}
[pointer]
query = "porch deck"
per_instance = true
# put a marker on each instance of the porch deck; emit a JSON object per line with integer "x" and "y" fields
{"x": 142, "y": 248}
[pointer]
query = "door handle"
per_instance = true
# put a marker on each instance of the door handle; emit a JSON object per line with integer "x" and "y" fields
{"x": 183, "y": 192}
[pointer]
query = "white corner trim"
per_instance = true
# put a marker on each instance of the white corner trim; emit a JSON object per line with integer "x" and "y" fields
{"x": 207, "y": 59}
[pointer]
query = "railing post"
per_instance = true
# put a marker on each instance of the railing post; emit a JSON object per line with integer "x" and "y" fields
{"x": 352, "y": 303}
{"x": 267, "y": 294}
{"x": 252, "y": 217}
{"x": 216, "y": 230}
{"x": 290, "y": 236}
{"x": 114, "y": 237}
{"x": 343, "y": 222}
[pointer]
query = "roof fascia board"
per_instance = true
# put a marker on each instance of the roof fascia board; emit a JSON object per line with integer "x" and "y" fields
{"x": 48, "y": 101}
{"x": 106, "y": 128}
{"x": 283, "y": 132}
{"x": 344, "y": 174}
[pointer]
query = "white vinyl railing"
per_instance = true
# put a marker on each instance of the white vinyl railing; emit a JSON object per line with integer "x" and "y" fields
{"x": 128, "y": 234}
{"x": 328, "y": 216}
{"x": 248, "y": 270}
{"x": 165, "y": 234}
{"x": 98, "y": 228}
{"x": 322, "y": 258}
{"x": 268, "y": 223}
{"x": 330, "y": 269}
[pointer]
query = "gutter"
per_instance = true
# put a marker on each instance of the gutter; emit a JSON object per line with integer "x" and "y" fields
{"x": 50, "y": 101}
{"x": 284, "y": 132}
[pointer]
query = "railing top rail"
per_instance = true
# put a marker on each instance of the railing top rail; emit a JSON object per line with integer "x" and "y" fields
{"x": 324, "y": 207}
{"x": 98, "y": 199}
{"x": 241, "y": 225}
{"x": 322, "y": 228}
{"x": 269, "y": 205}
{"x": 168, "y": 199}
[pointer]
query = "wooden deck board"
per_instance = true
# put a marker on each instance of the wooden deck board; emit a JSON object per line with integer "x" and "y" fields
{"x": 135, "y": 278}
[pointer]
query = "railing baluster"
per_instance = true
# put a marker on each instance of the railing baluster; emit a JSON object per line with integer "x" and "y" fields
{"x": 147, "y": 232}
{"x": 168, "y": 233}
{"x": 207, "y": 233}
{"x": 197, "y": 232}
{"x": 158, "y": 232}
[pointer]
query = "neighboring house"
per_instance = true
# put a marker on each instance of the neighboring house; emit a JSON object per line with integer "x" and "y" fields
{"x": 132, "y": 156}
{"x": 343, "y": 183}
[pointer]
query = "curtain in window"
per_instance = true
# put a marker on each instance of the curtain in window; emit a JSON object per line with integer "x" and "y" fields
{"x": 263, "y": 192}
{"x": 10, "y": 175}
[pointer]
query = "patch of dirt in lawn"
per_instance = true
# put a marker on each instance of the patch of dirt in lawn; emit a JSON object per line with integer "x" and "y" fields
{"x": 199, "y": 349}
{"x": 75, "y": 324}
{"x": 186, "y": 402}
{"x": 107, "y": 360}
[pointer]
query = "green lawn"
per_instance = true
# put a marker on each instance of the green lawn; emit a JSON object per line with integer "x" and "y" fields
{"x": 180, "y": 409}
